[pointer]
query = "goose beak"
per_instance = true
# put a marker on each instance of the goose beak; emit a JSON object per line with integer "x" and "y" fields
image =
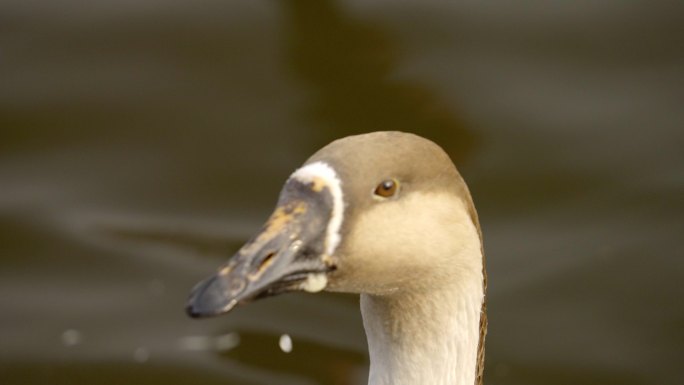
{"x": 288, "y": 254}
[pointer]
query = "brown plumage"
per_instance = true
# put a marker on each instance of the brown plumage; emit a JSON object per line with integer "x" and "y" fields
{"x": 388, "y": 216}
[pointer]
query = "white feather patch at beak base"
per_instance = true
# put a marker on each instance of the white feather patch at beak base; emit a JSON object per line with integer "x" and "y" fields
{"x": 315, "y": 282}
{"x": 321, "y": 171}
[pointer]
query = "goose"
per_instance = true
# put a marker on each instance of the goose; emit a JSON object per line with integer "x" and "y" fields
{"x": 385, "y": 215}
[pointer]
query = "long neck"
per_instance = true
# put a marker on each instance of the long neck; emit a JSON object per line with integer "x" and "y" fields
{"x": 428, "y": 336}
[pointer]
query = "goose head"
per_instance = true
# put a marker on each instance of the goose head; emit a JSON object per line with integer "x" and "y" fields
{"x": 386, "y": 215}
{"x": 378, "y": 213}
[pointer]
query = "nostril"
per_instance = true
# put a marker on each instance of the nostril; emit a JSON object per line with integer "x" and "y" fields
{"x": 268, "y": 259}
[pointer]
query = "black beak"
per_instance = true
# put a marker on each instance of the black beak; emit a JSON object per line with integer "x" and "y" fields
{"x": 288, "y": 254}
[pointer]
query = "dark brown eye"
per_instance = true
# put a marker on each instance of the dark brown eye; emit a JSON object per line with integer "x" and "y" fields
{"x": 387, "y": 188}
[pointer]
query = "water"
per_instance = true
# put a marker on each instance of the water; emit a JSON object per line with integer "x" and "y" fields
{"x": 143, "y": 142}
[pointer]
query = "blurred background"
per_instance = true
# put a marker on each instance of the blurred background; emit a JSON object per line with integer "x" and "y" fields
{"x": 142, "y": 142}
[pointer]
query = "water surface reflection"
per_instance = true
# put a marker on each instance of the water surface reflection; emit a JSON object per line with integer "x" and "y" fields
{"x": 143, "y": 143}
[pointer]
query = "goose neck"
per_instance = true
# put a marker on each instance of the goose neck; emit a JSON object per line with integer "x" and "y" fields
{"x": 424, "y": 337}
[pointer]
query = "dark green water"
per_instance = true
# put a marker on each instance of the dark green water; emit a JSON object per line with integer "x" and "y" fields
{"x": 142, "y": 142}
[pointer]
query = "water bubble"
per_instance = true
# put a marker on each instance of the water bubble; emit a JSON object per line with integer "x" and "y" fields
{"x": 285, "y": 343}
{"x": 72, "y": 337}
{"x": 226, "y": 342}
{"x": 220, "y": 343}
{"x": 195, "y": 343}
{"x": 141, "y": 355}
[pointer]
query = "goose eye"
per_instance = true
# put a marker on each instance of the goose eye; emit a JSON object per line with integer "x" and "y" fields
{"x": 387, "y": 188}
